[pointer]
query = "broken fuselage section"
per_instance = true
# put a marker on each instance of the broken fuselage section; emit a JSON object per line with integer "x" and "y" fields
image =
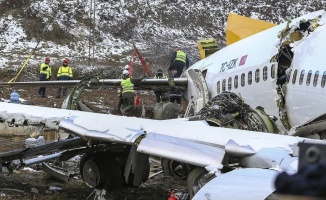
{"x": 280, "y": 70}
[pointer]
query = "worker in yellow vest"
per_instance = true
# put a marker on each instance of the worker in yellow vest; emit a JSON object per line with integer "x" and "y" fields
{"x": 45, "y": 75}
{"x": 178, "y": 60}
{"x": 64, "y": 74}
{"x": 128, "y": 92}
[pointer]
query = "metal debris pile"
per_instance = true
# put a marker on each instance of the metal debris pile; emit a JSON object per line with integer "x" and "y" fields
{"x": 229, "y": 110}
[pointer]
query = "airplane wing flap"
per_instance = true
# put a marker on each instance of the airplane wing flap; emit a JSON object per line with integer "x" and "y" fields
{"x": 126, "y": 136}
{"x": 182, "y": 150}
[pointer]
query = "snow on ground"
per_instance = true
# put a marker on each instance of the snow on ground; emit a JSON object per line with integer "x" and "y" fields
{"x": 155, "y": 26}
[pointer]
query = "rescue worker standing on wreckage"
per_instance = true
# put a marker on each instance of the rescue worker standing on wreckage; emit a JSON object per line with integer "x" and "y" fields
{"x": 128, "y": 92}
{"x": 45, "y": 75}
{"x": 64, "y": 74}
{"x": 178, "y": 60}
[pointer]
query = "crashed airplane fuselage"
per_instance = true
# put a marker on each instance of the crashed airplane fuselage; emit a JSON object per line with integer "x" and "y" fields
{"x": 281, "y": 69}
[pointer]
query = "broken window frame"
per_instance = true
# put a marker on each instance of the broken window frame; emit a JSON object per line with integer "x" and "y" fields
{"x": 273, "y": 71}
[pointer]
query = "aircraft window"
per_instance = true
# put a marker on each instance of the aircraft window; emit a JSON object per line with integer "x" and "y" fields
{"x": 243, "y": 76}
{"x": 288, "y": 76}
{"x": 223, "y": 85}
{"x": 218, "y": 87}
{"x": 301, "y": 77}
{"x": 236, "y": 82}
{"x": 323, "y": 80}
{"x": 273, "y": 71}
{"x": 257, "y": 75}
{"x": 316, "y": 78}
{"x": 230, "y": 84}
{"x": 294, "y": 78}
{"x": 308, "y": 78}
{"x": 265, "y": 73}
{"x": 250, "y": 77}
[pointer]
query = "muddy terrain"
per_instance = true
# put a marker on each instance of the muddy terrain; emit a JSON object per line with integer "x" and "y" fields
{"x": 35, "y": 184}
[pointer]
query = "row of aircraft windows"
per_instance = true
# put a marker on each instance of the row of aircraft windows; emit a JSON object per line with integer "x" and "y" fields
{"x": 308, "y": 80}
{"x": 243, "y": 79}
{"x": 273, "y": 75}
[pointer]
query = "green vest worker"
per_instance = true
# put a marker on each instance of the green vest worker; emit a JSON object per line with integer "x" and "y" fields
{"x": 45, "y": 75}
{"x": 64, "y": 74}
{"x": 128, "y": 92}
{"x": 178, "y": 60}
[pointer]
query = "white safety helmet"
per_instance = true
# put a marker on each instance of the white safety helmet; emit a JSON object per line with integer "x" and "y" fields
{"x": 126, "y": 67}
{"x": 125, "y": 72}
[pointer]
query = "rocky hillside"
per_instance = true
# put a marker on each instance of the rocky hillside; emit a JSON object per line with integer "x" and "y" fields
{"x": 97, "y": 34}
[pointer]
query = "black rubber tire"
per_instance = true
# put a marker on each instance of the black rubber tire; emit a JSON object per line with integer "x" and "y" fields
{"x": 109, "y": 169}
{"x": 85, "y": 157}
{"x": 146, "y": 172}
{"x": 168, "y": 166}
{"x": 113, "y": 174}
{"x": 129, "y": 183}
{"x": 197, "y": 179}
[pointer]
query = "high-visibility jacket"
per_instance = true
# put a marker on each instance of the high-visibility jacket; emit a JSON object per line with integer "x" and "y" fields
{"x": 45, "y": 69}
{"x": 181, "y": 56}
{"x": 127, "y": 85}
{"x": 64, "y": 71}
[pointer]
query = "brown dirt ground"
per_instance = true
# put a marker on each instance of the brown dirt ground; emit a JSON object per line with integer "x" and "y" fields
{"x": 19, "y": 185}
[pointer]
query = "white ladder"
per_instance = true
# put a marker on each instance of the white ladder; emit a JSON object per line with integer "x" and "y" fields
{"x": 190, "y": 104}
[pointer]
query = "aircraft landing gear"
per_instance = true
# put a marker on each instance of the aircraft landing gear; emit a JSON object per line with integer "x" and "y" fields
{"x": 105, "y": 170}
{"x": 196, "y": 179}
{"x": 101, "y": 171}
{"x": 175, "y": 168}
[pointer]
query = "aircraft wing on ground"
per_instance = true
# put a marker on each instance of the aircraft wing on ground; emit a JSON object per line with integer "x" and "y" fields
{"x": 126, "y": 129}
{"x": 191, "y": 142}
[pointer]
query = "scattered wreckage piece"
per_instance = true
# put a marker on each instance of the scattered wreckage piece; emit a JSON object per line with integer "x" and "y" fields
{"x": 229, "y": 110}
{"x": 20, "y": 158}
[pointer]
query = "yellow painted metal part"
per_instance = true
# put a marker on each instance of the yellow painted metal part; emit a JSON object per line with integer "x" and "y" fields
{"x": 206, "y": 47}
{"x": 239, "y": 27}
{"x": 295, "y": 36}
